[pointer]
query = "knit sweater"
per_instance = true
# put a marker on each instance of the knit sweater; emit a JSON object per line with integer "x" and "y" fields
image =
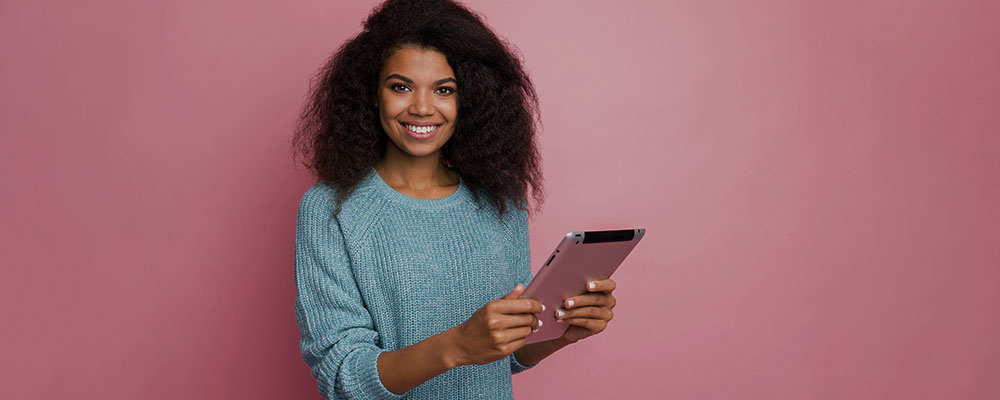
{"x": 391, "y": 270}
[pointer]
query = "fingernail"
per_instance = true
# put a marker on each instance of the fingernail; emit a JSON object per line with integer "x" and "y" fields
{"x": 540, "y": 323}
{"x": 560, "y": 314}
{"x": 569, "y": 303}
{"x": 534, "y": 330}
{"x": 592, "y": 285}
{"x": 559, "y": 321}
{"x": 543, "y": 307}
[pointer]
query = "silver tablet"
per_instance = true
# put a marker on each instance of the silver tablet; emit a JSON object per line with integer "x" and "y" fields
{"x": 579, "y": 258}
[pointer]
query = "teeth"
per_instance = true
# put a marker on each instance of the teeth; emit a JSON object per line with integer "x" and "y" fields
{"x": 421, "y": 129}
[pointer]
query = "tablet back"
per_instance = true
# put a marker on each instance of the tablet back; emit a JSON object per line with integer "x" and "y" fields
{"x": 579, "y": 258}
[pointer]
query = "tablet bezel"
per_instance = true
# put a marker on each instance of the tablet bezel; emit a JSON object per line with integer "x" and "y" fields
{"x": 579, "y": 258}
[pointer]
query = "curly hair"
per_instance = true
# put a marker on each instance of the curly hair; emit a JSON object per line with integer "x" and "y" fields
{"x": 493, "y": 147}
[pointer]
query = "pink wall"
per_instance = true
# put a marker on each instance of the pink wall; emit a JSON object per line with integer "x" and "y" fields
{"x": 820, "y": 183}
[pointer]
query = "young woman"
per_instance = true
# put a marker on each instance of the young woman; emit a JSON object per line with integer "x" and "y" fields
{"x": 421, "y": 132}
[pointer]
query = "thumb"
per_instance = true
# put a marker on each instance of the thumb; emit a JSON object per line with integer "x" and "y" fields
{"x": 515, "y": 293}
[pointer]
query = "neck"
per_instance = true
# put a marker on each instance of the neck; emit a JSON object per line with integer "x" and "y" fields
{"x": 399, "y": 169}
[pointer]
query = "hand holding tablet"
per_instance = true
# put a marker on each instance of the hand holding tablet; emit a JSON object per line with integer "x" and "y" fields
{"x": 579, "y": 259}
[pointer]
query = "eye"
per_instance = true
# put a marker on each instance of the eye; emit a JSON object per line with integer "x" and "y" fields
{"x": 399, "y": 87}
{"x": 445, "y": 90}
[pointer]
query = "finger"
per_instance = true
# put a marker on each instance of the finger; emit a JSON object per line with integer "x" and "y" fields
{"x": 514, "y": 293}
{"x": 605, "y": 285}
{"x": 593, "y": 299}
{"x": 517, "y": 306}
{"x": 509, "y": 335}
{"x": 592, "y": 325}
{"x": 601, "y": 313}
{"x": 503, "y": 321}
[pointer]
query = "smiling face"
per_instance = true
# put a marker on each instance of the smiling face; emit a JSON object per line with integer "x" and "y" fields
{"x": 417, "y": 101}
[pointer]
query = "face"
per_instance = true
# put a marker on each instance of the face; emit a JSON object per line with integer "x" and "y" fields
{"x": 417, "y": 101}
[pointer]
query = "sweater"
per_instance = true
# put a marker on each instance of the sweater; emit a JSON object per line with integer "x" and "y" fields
{"x": 391, "y": 270}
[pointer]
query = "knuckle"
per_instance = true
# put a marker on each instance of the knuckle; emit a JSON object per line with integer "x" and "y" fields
{"x": 493, "y": 323}
{"x": 497, "y": 337}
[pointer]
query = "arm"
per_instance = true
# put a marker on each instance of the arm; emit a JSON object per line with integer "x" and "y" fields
{"x": 404, "y": 369}
{"x": 529, "y": 355}
{"x": 339, "y": 341}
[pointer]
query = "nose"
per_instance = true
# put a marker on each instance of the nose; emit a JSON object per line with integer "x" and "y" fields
{"x": 422, "y": 104}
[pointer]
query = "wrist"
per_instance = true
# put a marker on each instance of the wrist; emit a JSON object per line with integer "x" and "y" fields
{"x": 562, "y": 341}
{"x": 448, "y": 353}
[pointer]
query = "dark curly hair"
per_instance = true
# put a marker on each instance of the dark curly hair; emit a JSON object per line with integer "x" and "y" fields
{"x": 493, "y": 146}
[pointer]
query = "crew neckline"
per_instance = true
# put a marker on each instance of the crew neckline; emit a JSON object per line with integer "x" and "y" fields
{"x": 382, "y": 186}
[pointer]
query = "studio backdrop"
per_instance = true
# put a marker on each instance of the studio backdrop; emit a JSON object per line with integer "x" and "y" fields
{"x": 819, "y": 182}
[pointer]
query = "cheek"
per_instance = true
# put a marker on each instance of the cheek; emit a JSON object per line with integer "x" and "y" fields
{"x": 449, "y": 109}
{"x": 387, "y": 111}
{"x": 387, "y": 103}
{"x": 385, "y": 119}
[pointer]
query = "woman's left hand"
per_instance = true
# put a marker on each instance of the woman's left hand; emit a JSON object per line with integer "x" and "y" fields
{"x": 588, "y": 314}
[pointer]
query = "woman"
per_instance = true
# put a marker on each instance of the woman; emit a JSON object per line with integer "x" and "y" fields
{"x": 421, "y": 132}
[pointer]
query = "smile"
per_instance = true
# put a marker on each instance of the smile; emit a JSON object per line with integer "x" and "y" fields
{"x": 421, "y": 132}
{"x": 421, "y": 129}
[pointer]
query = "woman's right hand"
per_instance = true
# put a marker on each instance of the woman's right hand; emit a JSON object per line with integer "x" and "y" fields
{"x": 496, "y": 330}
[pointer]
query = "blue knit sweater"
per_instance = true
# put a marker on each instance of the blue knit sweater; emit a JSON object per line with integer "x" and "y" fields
{"x": 391, "y": 270}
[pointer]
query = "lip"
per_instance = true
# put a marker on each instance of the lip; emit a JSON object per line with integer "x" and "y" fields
{"x": 422, "y": 123}
{"x": 420, "y": 136}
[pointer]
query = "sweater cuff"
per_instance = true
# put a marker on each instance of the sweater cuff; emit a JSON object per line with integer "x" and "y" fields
{"x": 366, "y": 383}
{"x": 516, "y": 367}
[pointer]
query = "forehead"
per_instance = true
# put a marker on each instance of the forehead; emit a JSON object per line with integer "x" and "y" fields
{"x": 417, "y": 63}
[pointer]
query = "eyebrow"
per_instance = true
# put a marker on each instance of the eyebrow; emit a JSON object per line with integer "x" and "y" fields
{"x": 410, "y": 81}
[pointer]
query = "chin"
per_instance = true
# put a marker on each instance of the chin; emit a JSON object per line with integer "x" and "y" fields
{"x": 419, "y": 150}
{"x": 421, "y": 154}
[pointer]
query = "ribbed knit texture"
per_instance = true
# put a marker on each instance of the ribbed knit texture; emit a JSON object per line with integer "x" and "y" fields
{"x": 391, "y": 270}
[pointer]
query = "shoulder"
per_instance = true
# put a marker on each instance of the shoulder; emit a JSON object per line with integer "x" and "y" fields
{"x": 516, "y": 215}
{"x": 317, "y": 199}
{"x": 358, "y": 211}
{"x": 514, "y": 221}
{"x": 322, "y": 195}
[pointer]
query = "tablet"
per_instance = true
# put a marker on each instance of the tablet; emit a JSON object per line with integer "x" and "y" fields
{"x": 579, "y": 258}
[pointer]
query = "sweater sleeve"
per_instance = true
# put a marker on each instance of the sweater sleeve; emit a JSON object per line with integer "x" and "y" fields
{"x": 523, "y": 249}
{"x": 338, "y": 339}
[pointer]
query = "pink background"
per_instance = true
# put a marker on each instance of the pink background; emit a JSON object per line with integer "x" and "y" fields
{"x": 820, "y": 183}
